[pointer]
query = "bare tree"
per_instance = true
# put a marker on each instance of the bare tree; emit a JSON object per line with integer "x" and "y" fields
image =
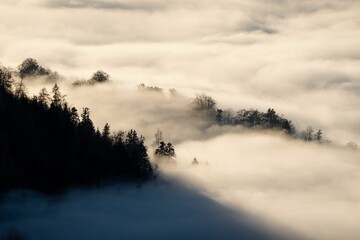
{"x": 158, "y": 138}
{"x": 205, "y": 105}
{"x": 308, "y": 134}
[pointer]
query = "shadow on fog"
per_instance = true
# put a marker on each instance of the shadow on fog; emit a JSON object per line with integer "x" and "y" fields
{"x": 164, "y": 209}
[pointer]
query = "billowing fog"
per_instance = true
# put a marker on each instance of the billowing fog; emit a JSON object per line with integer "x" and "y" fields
{"x": 299, "y": 57}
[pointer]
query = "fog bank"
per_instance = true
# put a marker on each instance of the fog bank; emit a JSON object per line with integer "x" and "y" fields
{"x": 307, "y": 188}
{"x": 301, "y": 58}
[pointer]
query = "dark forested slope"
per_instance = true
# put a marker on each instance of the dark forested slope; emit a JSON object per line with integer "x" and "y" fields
{"x": 45, "y": 145}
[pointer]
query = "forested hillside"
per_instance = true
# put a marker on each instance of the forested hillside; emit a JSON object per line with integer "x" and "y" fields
{"x": 46, "y": 145}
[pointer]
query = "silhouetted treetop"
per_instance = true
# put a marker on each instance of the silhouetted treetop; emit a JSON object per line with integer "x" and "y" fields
{"x": 100, "y": 76}
{"x": 6, "y": 80}
{"x": 106, "y": 132}
{"x": 49, "y": 147}
{"x": 165, "y": 150}
{"x": 205, "y": 106}
{"x": 165, "y": 154}
{"x": 30, "y": 68}
{"x": 44, "y": 97}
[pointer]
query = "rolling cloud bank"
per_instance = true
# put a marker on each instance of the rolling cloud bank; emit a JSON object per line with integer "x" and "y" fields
{"x": 301, "y": 58}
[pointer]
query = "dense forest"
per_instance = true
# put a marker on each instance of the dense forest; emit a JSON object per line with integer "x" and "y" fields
{"x": 46, "y": 145}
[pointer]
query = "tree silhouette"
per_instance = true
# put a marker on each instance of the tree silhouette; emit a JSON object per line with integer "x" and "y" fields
{"x": 205, "y": 106}
{"x": 219, "y": 117}
{"x": 308, "y": 134}
{"x": 30, "y": 68}
{"x": 318, "y": 136}
{"x": 20, "y": 90}
{"x": 44, "y": 97}
{"x": 195, "y": 162}
{"x": 6, "y": 80}
{"x": 86, "y": 123}
{"x": 137, "y": 154}
{"x": 106, "y": 132}
{"x": 50, "y": 148}
{"x": 99, "y": 77}
{"x": 165, "y": 152}
{"x": 57, "y": 98}
{"x": 271, "y": 117}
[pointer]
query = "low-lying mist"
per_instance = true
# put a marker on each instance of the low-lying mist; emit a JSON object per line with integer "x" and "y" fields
{"x": 300, "y": 58}
{"x": 307, "y": 188}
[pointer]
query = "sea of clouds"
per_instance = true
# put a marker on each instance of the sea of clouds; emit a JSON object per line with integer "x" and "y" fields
{"x": 300, "y": 57}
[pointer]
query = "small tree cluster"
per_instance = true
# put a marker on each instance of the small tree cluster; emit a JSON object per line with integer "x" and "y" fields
{"x": 309, "y": 135}
{"x": 165, "y": 150}
{"x": 30, "y": 68}
{"x": 143, "y": 87}
{"x": 98, "y": 77}
{"x": 253, "y": 118}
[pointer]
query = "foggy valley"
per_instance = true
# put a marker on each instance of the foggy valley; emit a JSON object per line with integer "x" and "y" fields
{"x": 179, "y": 119}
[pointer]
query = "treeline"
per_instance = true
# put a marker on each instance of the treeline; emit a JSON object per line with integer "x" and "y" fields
{"x": 31, "y": 69}
{"x": 46, "y": 145}
{"x": 205, "y": 107}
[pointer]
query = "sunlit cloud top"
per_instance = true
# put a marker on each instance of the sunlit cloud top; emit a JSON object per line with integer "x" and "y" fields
{"x": 299, "y": 57}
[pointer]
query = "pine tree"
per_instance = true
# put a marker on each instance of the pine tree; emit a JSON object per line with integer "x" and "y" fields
{"x": 106, "y": 132}
{"x": 57, "y": 98}
{"x": 86, "y": 122}
{"x": 44, "y": 97}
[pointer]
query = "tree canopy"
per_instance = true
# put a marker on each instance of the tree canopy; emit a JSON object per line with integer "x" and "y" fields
{"x": 30, "y": 68}
{"x": 99, "y": 77}
{"x": 46, "y": 145}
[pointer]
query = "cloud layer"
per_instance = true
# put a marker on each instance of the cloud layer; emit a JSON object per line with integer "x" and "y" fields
{"x": 300, "y": 57}
{"x": 306, "y": 188}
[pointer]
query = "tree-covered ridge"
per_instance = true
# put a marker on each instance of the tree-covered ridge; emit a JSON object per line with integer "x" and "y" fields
{"x": 205, "y": 107}
{"x": 46, "y": 145}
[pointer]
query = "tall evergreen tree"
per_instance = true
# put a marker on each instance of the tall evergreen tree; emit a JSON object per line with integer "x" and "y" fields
{"x": 106, "y": 132}
{"x": 57, "y": 98}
